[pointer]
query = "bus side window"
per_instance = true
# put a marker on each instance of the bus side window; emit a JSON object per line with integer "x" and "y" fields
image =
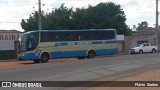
{"x": 60, "y": 36}
{"x": 70, "y": 36}
{"x": 108, "y": 35}
{"x": 45, "y": 37}
{"x": 79, "y": 36}
{"x": 98, "y": 35}
{"x": 86, "y": 35}
{"x": 92, "y": 35}
{"x": 83, "y": 36}
{"x": 111, "y": 34}
{"x": 52, "y": 37}
{"x": 105, "y": 36}
{"x": 57, "y": 37}
{"x": 75, "y": 36}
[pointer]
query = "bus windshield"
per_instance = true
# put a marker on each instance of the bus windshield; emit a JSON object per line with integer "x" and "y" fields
{"x": 22, "y": 43}
{"x": 28, "y": 42}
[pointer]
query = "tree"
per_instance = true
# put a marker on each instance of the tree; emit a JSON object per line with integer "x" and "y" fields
{"x": 31, "y": 23}
{"x": 60, "y": 18}
{"x": 102, "y": 16}
{"x": 57, "y": 19}
{"x": 142, "y": 25}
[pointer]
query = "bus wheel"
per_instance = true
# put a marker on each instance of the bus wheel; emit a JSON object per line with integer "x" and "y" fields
{"x": 91, "y": 54}
{"x": 44, "y": 57}
{"x": 36, "y": 61}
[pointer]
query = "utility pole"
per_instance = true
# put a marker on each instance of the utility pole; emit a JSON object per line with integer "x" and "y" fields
{"x": 157, "y": 31}
{"x": 40, "y": 19}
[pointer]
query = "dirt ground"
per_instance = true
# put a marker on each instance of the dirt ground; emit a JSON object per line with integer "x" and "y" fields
{"x": 15, "y": 63}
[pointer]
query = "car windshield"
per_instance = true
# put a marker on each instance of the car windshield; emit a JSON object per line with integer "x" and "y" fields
{"x": 138, "y": 45}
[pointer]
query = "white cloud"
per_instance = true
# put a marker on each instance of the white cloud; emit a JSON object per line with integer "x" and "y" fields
{"x": 15, "y": 10}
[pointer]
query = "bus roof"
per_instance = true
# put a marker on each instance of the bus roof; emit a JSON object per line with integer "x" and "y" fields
{"x": 70, "y": 30}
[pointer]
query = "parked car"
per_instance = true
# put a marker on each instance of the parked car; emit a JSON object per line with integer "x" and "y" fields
{"x": 143, "y": 48}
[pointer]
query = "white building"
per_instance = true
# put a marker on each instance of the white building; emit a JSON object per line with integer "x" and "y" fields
{"x": 8, "y": 40}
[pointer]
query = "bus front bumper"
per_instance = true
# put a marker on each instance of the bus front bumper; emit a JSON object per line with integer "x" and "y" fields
{"x": 29, "y": 56}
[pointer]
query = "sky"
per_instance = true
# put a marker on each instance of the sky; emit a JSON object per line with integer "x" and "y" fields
{"x": 13, "y": 11}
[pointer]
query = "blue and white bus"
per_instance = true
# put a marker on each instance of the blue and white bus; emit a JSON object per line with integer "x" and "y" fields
{"x": 42, "y": 45}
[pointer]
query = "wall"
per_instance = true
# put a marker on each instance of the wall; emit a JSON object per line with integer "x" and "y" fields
{"x": 132, "y": 41}
{"x": 127, "y": 43}
{"x": 120, "y": 46}
{"x": 7, "y": 43}
{"x": 120, "y": 39}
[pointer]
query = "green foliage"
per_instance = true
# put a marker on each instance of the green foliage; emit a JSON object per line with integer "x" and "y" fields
{"x": 102, "y": 16}
{"x": 31, "y": 23}
{"x": 142, "y": 25}
{"x": 58, "y": 19}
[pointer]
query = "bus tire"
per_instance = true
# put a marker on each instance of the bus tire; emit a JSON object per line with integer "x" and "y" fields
{"x": 91, "y": 54}
{"x": 36, "y": 61}
{"x": 44, "y": 57}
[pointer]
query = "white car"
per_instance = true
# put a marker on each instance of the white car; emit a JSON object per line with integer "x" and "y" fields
{"x": 143, "y": 48}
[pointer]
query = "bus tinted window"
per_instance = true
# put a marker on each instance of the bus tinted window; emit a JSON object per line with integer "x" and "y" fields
{"x": 71, "y": 36}
{"x": 112, "y": 35}
{"x": 77, "y": 36}
{"x": 59, "y": 36}
{"x": 45, "y": 37}
{"x": 108, "y": 35}
{"x": 92, "y": 35}
{"x": 83, "y": 36}
{"x": 98, "y": 35}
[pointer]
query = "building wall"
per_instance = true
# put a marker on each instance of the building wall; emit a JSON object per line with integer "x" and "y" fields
{"x": 120, "y": 39}
{"x": 7, "y": 43}
{"x": 132, "y": 41}
{"x": 120, "y": 46}
{"x": 127, "y": 43}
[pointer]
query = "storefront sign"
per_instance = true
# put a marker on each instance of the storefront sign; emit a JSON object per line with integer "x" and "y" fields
{"x": 9, "y": 37}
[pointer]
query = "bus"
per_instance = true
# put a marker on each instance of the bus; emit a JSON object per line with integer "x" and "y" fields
{"x": 42, "y": 45}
